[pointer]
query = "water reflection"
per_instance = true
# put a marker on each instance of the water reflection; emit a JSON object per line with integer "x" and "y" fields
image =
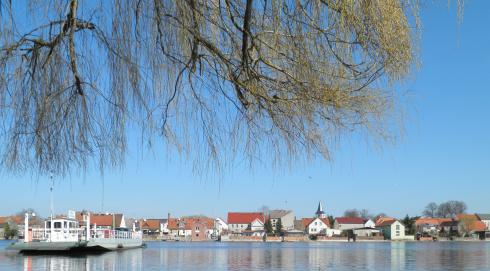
{"x": 124, "y": 260}
{"x": 259, "y": 256}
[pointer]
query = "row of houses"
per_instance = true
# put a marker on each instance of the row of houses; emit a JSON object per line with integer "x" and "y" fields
{"x": 280, "y": 222}
{"x": 459, "y": 225}
{"x": 254, "y": 224}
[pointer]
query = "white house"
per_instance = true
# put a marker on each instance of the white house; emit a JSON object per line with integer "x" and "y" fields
{"x": 240, "y": 222}
{"x": 369, "y": 224}
{"x": 220, "y": 226}
{"x": 393, "y": 230}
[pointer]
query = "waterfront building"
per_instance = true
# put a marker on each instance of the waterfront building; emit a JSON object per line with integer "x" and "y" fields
{"x": 249, "y": 223}
{"x": 286, "y": 217}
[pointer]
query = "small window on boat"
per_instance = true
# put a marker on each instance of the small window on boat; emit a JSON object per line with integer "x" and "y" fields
{"x": 65, "y": 225}
{"x": 48, "y": 224}
{"x": 57, "y": 225}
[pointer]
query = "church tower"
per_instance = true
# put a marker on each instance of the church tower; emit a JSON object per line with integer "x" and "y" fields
{"x": 319, "y": 211}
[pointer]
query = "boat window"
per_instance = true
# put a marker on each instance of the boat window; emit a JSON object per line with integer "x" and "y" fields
{"x": 57, "y": 225}
{"x": 48, "y": 224}
{"x": 65, "y": 224}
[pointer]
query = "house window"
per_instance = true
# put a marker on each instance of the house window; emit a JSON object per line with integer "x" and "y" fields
{"x": 397, "y": 227}
{"x": 397, "y": 233}
{"x": 57, "y": 225}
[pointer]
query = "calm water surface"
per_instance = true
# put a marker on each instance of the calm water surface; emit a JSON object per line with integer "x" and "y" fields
{"x": 268, "y": 256}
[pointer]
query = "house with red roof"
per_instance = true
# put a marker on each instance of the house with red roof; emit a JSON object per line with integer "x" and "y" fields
{"x": 469, "y": 224}
{"x": 102, "y": 221}
{"x": 318, "y": 225}
{"x": 430, "y": 225}
{"x": 246, "y": 222}
{"x": 195, "y": 228}
{"x": 152, "y": 226}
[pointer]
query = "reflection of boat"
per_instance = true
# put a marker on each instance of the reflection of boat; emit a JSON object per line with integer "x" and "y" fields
{"x": 66, "y": 235}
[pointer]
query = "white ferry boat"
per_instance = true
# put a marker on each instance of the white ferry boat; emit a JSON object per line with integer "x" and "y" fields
{"x": 66, "y": 235}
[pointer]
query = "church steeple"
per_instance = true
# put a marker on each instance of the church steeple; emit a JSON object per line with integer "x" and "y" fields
{"x": 319, "y": 211}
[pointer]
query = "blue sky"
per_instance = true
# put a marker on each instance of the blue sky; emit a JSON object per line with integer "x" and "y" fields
{"x": 444, "y": 153}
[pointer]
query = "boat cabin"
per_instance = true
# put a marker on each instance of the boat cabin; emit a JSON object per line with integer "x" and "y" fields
{"x": 61, "y": 230}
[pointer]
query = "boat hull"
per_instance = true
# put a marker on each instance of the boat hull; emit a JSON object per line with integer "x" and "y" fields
{"x": 93, "y": 245}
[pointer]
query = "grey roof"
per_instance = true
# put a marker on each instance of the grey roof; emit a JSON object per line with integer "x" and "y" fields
{"x": 483, "y": 216}
{"x": 275, "y": 214}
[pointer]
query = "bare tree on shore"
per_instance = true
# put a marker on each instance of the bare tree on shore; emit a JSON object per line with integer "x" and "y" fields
{"x": 430, "y": 210}
{"x": 216, "y": 79}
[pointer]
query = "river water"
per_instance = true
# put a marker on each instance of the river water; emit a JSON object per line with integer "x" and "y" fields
{"x": 267, "y": 256}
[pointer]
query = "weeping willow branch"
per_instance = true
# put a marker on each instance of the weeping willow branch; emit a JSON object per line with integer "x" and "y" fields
{"x": 218, "y": 80}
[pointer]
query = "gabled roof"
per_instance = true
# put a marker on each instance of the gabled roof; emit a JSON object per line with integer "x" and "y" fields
{"x": 104, "y": 220}
{"x": 350, "y": 220}
{"x": 308, "y": 221}
{"x": 244, "y": 218}
{"x": 151, "y": 223}
{"x": 188, "y": 223}
{"x": 483, "y": 216}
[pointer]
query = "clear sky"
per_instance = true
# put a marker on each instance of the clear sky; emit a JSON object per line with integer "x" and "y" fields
{"x": 444, "y": 153}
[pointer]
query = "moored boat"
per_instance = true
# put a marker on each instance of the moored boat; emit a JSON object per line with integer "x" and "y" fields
{"x": 65, "y": 235}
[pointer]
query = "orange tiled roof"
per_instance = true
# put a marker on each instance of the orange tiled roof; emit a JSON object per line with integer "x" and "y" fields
{"x": 104, "y": 220}
{"x": 244, "y": 218}
{"x": 478, "y": 226}
{"x": 152, "y": 224}
{"x": 14, "y": 218}
{"x": 431, "y": 221}
{"x": 191, "y": 222}
{"x": 466, "y": 217}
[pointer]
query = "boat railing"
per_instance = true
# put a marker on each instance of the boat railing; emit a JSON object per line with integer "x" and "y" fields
{"x": 115, "y": 234}
{"x": 41, "y": 234}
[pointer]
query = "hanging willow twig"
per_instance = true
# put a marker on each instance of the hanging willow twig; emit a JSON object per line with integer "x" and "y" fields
{"x": 218, "y": 79}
